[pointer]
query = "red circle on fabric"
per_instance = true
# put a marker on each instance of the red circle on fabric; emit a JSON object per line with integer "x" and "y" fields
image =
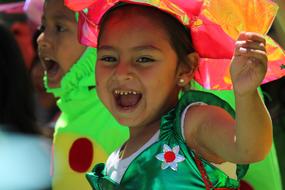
{"x": 81, "y": 155}
{"x": 169, "y": 156}
{"x": 244, "y": 185}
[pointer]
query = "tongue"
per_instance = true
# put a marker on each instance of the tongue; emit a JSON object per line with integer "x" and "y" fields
{"x": 52, "y": 68}
{"x": 129, "y": 100}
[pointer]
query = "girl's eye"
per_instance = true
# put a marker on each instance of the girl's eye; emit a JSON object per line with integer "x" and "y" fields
{"x": 108, "y": 59}
{"x": 144, "y": 60}
{"x": 60, "y": 28}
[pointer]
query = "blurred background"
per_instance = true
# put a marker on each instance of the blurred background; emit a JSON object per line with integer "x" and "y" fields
{"x": 27, "y": 112}
{"x": 275, "y": 92}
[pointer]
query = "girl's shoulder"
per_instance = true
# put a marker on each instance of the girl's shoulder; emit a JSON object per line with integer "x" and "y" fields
{"x": 197, "y": 105}
{"x": 196, "y": 97}
{"x": 202, "y": 124}
{"x": 194, "y": 110}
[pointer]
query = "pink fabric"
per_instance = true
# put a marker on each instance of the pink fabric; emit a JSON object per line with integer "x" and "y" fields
{"x": 12, "y": 8}
{"x": 214, "y": 25}
{"x": 34, "y": 10}
{"x": 210, "y": 41}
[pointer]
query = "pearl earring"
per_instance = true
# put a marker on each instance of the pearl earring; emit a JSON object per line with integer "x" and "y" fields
{"x": 181, "y": 81}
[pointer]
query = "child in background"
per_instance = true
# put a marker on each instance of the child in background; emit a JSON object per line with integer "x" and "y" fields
{"x": 80, "y": 138}
{"x": 47, "y": 111}
{"x": 174, "y": 145}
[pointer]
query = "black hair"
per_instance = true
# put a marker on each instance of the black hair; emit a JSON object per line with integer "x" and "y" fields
{"x": 36, "y": 59}
{"x": 179, "y": 35}
{"x": 16, "y": 92}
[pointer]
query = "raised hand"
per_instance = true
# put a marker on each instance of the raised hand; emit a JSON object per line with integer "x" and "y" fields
{"x": 249, "y": 63}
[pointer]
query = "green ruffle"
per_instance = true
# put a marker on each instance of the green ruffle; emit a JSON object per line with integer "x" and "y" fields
{"x": 75, "y": 84}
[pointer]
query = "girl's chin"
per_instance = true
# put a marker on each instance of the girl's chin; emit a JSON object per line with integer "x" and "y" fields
{"x": 54, "y": 84}
{"x": 55, "y": 80}
{"x": 128, "y": 123}
{"x": 127, "y": 118}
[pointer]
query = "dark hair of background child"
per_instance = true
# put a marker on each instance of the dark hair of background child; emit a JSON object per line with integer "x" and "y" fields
{"x": 16, "y": 93}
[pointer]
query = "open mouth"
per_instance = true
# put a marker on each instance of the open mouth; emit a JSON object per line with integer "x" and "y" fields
{"x": 51, "y": 66}
{"x": 127, "y": 99}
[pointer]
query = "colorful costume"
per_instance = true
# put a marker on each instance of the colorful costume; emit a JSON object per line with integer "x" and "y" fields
{"x": 80, "y": 138}
{"x": 214, "y": 26}
{"x": 148, "y": 171}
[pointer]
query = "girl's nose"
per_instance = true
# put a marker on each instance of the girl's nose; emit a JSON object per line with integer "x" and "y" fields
{"x": 123, "y": 71}
{"x": 43, "y": 41}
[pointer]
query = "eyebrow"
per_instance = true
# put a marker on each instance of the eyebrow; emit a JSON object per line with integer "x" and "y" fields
{"x": 106, "y": 47}
{"x": 61, "y": 17}
{"x": 136, "y": 48}
{"x": 146, "y": 47}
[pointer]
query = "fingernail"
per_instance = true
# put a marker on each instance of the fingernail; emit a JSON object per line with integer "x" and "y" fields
{"x": 242, "y": 50}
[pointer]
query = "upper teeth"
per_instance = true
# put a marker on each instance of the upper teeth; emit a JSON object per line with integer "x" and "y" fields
{"x": 120, "y": 92}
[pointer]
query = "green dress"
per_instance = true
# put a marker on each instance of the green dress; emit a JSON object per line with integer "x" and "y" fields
{"x": 145, "y": 172}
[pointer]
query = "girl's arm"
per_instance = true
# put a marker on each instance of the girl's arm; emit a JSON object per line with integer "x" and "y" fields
{"x": 214, "y": 134}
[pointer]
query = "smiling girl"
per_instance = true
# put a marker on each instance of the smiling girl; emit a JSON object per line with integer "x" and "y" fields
{"x": 145, "y": 58}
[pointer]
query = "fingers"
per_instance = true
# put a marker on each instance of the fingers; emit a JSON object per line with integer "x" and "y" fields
{"x": 252, "y": 54}
{"x": 252, "y": 46}
{"x": 251, "y": 40}
{"x": 251, "y": 36}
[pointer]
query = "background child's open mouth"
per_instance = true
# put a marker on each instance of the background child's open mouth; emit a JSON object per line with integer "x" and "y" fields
{"x": 51, "y": 67}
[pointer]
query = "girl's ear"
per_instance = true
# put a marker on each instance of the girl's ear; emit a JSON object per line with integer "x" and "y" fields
{"x": 186, "y": 70}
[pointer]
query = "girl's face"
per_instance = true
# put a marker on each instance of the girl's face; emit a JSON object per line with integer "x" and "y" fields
{"x": 136, "y": 70}
{"x": 59, "y": 48}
